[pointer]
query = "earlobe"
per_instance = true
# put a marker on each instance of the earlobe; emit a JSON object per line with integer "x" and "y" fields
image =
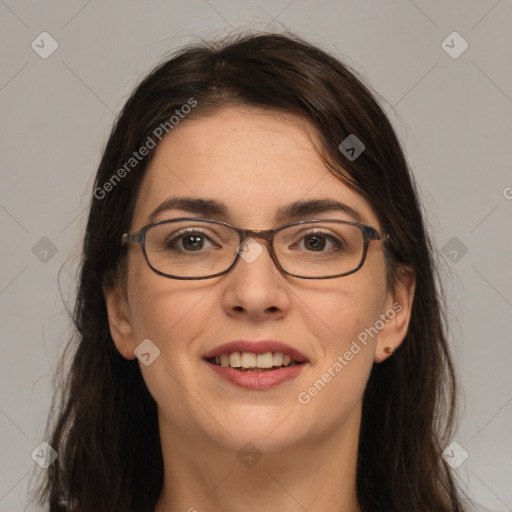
{"x": 119, "y": 319}
{"x": 398, "y": 312}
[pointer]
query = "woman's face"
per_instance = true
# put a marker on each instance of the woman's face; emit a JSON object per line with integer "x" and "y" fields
{"x": 255, "y": 162}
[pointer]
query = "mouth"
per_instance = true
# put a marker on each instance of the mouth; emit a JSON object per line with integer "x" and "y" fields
{"x": 256, "y": 365}
{"x": 251, "y": 362}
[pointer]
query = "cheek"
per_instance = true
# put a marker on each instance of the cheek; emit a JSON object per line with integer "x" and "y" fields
{"x": 344, "y": 309}
{"x": 173, "y": 314}
{"x": 337, "y": 381}
{"x": 367, "y": 294}
{"x": 167, "y": 312}
{"x": 347, "y": 337}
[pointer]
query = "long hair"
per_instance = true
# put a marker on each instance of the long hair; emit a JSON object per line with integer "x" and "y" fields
{"x": 103, "y": 423}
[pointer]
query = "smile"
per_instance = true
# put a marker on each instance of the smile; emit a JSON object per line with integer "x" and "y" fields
{"x": 256, "y": 365}
{"x": 249, "y": 361}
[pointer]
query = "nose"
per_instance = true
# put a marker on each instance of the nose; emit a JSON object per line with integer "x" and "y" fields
{"x": 256, "y": 287}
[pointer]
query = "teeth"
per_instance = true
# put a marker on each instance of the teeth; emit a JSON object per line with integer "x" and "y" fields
{"x": 235, "y": 360}
{"x": 278, "y": 359}
{"x": 248, "y": 360}
{"x": 265, "y": 360}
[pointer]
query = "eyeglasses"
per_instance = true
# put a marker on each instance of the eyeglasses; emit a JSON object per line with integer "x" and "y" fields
{"x": 195, "y": 248}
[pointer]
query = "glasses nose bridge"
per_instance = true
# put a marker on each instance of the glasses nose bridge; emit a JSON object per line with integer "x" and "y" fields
{"x": 265, "y": 234}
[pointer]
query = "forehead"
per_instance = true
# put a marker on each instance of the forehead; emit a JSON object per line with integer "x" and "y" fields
{"x": 253, "y": 160}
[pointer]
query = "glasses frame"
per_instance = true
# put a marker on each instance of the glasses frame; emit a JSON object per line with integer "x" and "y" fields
{"x": 369, "y": 233}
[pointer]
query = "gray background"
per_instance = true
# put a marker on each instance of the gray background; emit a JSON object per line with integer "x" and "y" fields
{"x": 453, "y": 115}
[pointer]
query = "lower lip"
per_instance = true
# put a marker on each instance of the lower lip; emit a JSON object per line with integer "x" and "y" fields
{"x": 257, "y": 380}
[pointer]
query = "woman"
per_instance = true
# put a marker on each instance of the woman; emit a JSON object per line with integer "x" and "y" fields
{"x": 258, "y": 323}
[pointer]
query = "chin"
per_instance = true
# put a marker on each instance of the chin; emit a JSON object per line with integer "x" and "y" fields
{"x": 269, "y": 429}
{"x": 252, "y": 439}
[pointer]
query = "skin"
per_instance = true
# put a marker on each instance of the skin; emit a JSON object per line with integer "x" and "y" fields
{"x": 309, "y": 452}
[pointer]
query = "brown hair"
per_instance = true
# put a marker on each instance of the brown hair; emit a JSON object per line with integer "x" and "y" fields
{"x": 105, "y": 429}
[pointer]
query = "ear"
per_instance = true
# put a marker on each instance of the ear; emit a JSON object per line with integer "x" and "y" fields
{"x": 119, "y": 319}
{"x": 398, "y": 314}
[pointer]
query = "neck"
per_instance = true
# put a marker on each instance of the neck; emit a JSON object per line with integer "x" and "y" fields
{"x": 314, "y": 475}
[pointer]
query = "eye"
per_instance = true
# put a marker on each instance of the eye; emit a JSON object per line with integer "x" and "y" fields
{"x": 190, "y": 241}
{"x": 317, "y": 241}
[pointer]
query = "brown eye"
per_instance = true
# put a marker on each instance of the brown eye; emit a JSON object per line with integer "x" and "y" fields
{"x": 317, "y": 242}
{"x": 188, "y": 242}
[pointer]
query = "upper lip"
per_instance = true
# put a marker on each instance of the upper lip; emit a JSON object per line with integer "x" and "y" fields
{"x": 256, "y": 347}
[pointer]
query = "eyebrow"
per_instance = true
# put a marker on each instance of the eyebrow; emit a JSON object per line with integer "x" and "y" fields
{"x": 289, "y": 212}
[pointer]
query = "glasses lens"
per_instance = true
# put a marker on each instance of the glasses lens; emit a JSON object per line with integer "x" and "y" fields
{"x": 319, "y": 249}
{"x": 202, "y": 249}
{"x": 191, "y": 248}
